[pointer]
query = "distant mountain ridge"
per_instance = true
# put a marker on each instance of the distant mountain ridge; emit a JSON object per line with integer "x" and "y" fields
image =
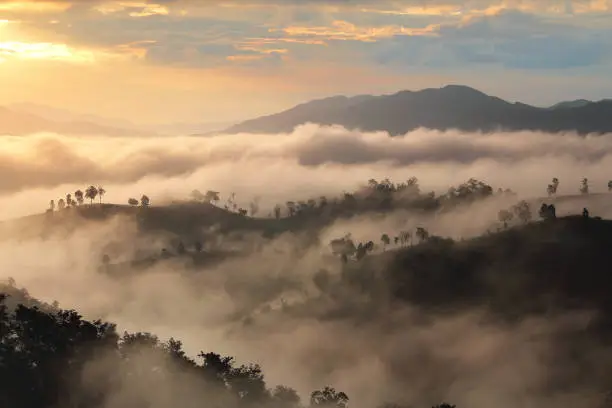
{"x": 451, "y": 107}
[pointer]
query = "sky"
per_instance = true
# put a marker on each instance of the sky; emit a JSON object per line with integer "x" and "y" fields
{"x": 217, "y": 61}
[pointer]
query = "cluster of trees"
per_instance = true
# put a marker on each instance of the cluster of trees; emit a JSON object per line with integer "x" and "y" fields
{"x": 553, "y": 187}
{"x": 145, "y": 201}
{"x": 91, "y": 193}
{"x": 520, "y": 211}
{"x": 214, "y": 197}
{"x": 374, "y": 196}
{"x": 346, "y": 248}
{"x": 52, "y": 358}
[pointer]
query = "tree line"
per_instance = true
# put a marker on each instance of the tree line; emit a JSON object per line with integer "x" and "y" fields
{"x": 53, "y": 358}
{"x": 92, "y": 192}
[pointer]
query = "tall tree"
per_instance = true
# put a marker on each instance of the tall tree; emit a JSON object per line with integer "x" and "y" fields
{"x": 78, "y": 195}
{"x": 91, "y": 193}
{"x": 101, "y": 193}
{"x": 385, "y": 240}
{"x": 145, "y": 201}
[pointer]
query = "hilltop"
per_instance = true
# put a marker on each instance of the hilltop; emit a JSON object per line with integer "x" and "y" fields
{"x": 450, "y": 107}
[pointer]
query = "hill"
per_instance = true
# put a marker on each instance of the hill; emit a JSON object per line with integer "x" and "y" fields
{"x": 450, "y": 107}
{"x": 20, "y": 123}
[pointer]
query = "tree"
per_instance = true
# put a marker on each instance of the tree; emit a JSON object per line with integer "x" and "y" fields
{"x": 522, "y": 211}
{"x": 61, "y": 204}
{"x": 422, "y": 234}
{"x": 552, "y": 188}
{"x": 78, "y": 195}
{"x": 285, "y": 397}
{"x": 211, "y": 196}
{"x": 133, "y": 202}
{"x": 584, "y": 186}
{"x": 291, "y": 208}
{"x": 328, "y": 397}
{"x": 254, "y": 206}
{"x": 52, "y": 205}
{"x": 404, "y": 237}
{"x": 91, "y": 193}
{"x": 197, "y": 195}
{"x": 277, "y": 211}
{"x": 69, "y": 201}
{"x": 101, "y": 193}
{"x": 548, "y": 212}
{"x": 505, "y": 216}
{"x": 385, "y": 240}
{"x": 145, "y": 201}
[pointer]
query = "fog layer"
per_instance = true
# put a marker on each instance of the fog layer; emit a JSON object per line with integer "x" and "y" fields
{"x": 311, "y": 160}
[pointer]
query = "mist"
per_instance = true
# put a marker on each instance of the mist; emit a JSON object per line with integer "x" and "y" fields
{"x": 312, "y": 160}
{"x": 265, "y": 305}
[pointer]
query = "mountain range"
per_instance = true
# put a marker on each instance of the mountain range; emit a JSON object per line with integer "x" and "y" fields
{"x": 451, "y": 107}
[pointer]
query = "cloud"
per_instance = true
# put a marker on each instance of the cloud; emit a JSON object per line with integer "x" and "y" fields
{"x": 373, "y": 349}
{"x": 130, "y": 166}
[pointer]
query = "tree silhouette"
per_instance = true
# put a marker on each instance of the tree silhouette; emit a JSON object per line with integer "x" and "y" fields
{"x": 405, "y": 237}
{"x": 145, "y": 201}
{"x": 277, "y": 211}
{"x": 69, "y": 201}
{"x": 101, "y": 193}
{"x": 522, "y": 211}
{"x": 78, "y": 195}
{"x": 91, "y": 193}
{"x": 328, "y": 397}
{"x": 197, "y": 195}
{"x": 584, "y": 186}
{"x": 61, "y": 204}
{"x": 285, "y": 397}
{"x": 422, "y": 234}
{"x": 211, "y": 196}
{"x": 385, "y": 240}
{"x": 505, "y": 216}
{"x": 548, "y": 212}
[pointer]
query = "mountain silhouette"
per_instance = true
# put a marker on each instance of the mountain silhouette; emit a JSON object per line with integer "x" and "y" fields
{"x": 451, "y": 107}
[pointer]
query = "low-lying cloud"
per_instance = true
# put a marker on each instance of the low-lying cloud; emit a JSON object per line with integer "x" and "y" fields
{"x": 265, "y": 305}
{"x": 311, "y": 160}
